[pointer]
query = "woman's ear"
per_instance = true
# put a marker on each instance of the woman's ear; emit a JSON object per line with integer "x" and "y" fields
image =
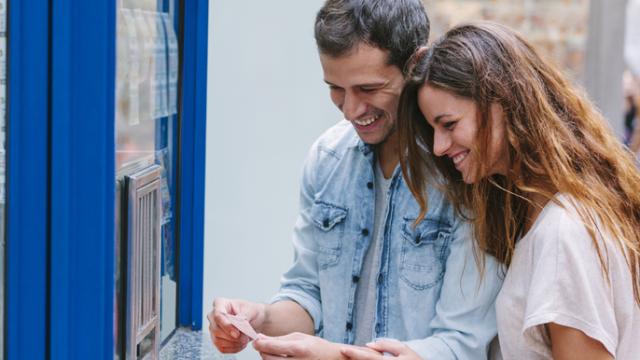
{"x": 414, "y": 60}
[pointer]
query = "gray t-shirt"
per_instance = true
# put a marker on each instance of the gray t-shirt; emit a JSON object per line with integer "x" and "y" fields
{"x": 366, "y": 294}
{"x": 555, "y": 276}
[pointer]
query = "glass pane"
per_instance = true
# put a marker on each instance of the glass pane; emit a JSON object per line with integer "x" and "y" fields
{"x": 631, "y": 79}
{"x": 3, "y": 102}
{"x": 146, "y": 133}
{"x": 558, "y": 28}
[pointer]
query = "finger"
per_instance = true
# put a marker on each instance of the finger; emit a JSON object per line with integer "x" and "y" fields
{"x": 244, "y": 338}
{"x": 222, "y": 305}
{"x": 393, "y": 347}
{"x": 359, "y": 354}
{"x": 215, "y": 332}
{"x": 229, "y": 343}
{"x": 212, "y": 328}
{"x": 219, "y": 334}
{"x": 212, "y": 322}
{"x": 225, "y": 325}
{"x": 278, "y": 347}
{"x": 266, "y": 356}
{"x": 233, "y": 309}
{"x": 230, "y": 349}
{"x": 240, "y": 339}
{"x": 227, "y": 346}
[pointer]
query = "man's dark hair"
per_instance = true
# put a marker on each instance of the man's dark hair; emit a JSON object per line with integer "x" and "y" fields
{"x": 397, "y": 26}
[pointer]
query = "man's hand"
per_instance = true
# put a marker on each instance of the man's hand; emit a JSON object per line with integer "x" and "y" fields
{"x": 224, "y": 335}
{"x": 299, "y": 346}
{"x": 395, "y": 348}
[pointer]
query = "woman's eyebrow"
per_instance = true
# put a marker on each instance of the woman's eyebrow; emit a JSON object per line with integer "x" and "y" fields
{"x": 439, "y": 117}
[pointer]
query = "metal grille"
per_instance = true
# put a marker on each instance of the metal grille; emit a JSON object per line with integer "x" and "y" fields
{"x": 143, "y": 264}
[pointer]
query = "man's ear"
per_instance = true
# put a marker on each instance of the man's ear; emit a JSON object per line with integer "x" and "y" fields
{"x": 414, "y": 60}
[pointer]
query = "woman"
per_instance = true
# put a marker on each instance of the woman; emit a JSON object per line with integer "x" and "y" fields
{"x": 549, "y": 190}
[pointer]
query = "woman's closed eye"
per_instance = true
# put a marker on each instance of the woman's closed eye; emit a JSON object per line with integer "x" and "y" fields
{"x": 449, "y": 125}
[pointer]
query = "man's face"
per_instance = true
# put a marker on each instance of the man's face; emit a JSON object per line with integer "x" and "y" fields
{"x": 366, "y": 89}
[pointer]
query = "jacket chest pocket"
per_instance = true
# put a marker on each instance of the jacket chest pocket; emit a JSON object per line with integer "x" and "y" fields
{"x": 425, "y": 249}
{"x": 329, "y": 221}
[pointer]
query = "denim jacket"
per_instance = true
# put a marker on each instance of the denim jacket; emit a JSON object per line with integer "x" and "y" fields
{"x": 429, "y": 289}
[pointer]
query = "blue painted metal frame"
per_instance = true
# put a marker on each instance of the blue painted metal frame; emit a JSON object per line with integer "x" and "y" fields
{"x": 26, "y": 218}
{"x": 60, "y": 185}
{"x": 192, "y": 162}
{"x": 82, "y": 179}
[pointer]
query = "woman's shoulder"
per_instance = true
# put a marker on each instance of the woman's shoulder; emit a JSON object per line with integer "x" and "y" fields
{"x": 562, "y": 223}
{"x": 560, "y": 213}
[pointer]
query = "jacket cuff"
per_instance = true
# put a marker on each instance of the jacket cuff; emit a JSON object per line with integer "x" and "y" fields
{"x": 432, "y": 347}
{"x": 310, "y": 304}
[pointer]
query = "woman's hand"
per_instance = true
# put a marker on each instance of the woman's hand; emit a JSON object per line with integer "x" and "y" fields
{"x": 394, "y": 348}
{"x": 296, "y": 346}
{"x": 226, "y": 338}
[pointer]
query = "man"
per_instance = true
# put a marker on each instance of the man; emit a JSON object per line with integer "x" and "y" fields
{"x": 362, "y": 270}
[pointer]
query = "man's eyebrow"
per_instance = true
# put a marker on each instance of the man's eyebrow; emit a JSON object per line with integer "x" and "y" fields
{"x": 375, "y": 84}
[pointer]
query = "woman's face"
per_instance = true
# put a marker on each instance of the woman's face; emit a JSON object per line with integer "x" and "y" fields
{"x": 455, "y": 122}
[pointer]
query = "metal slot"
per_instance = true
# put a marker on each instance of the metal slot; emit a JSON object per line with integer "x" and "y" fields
{"x": 143, "y": 263}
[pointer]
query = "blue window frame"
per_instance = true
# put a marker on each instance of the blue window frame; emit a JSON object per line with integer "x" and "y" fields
{"x": 192, "y": 163}
{"x": 60, "y": 177}
{"x": 27, "y": 202}
{"x": 82, "y": 171}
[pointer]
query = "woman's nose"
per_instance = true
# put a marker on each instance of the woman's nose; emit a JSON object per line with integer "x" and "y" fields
{"x": 441, "y": 143}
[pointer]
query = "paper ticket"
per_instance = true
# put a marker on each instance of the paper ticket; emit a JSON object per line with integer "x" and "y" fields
{"x": 241, "y": 323}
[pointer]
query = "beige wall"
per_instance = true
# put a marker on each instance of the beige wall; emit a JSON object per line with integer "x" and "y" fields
{"x": 584, "y": 37}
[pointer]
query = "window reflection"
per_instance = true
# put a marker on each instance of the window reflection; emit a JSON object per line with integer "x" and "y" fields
{"x": 146, "y": 122}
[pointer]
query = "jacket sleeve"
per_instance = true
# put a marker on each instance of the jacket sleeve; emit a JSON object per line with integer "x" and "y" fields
{"x": 465, "y": 321}
{"x": 300, "y": 282}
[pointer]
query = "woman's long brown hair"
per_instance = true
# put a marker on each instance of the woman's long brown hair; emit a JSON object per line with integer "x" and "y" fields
{"x": 557, "y": 142}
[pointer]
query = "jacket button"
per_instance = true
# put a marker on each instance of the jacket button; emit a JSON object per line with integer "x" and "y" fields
{"x": 377, "y": 328}
{"x": 417, "y": 240}
{"x": 349, "y": 326}
{"x": 365, "y": 232}
{"x": 370, "y": 185}
{"x": 355, "y": 278}
{"x": 325, "y": 222}
{"x": 380, "y": 278}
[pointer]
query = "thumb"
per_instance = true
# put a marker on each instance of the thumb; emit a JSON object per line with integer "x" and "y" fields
{"x": 393, "y": 347}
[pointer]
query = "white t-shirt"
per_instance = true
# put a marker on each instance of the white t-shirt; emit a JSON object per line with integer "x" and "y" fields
{"x": 556, "y": 276}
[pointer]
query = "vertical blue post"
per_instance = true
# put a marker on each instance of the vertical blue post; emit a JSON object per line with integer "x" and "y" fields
{"x": 82, "y": 179}
{"x": 27, "y": 174}
{"x": 192, "y": 162}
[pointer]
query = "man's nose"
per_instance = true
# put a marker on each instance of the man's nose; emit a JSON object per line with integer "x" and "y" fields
{"x": 441, "y": 143}
{"x": 353, "y": 107}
